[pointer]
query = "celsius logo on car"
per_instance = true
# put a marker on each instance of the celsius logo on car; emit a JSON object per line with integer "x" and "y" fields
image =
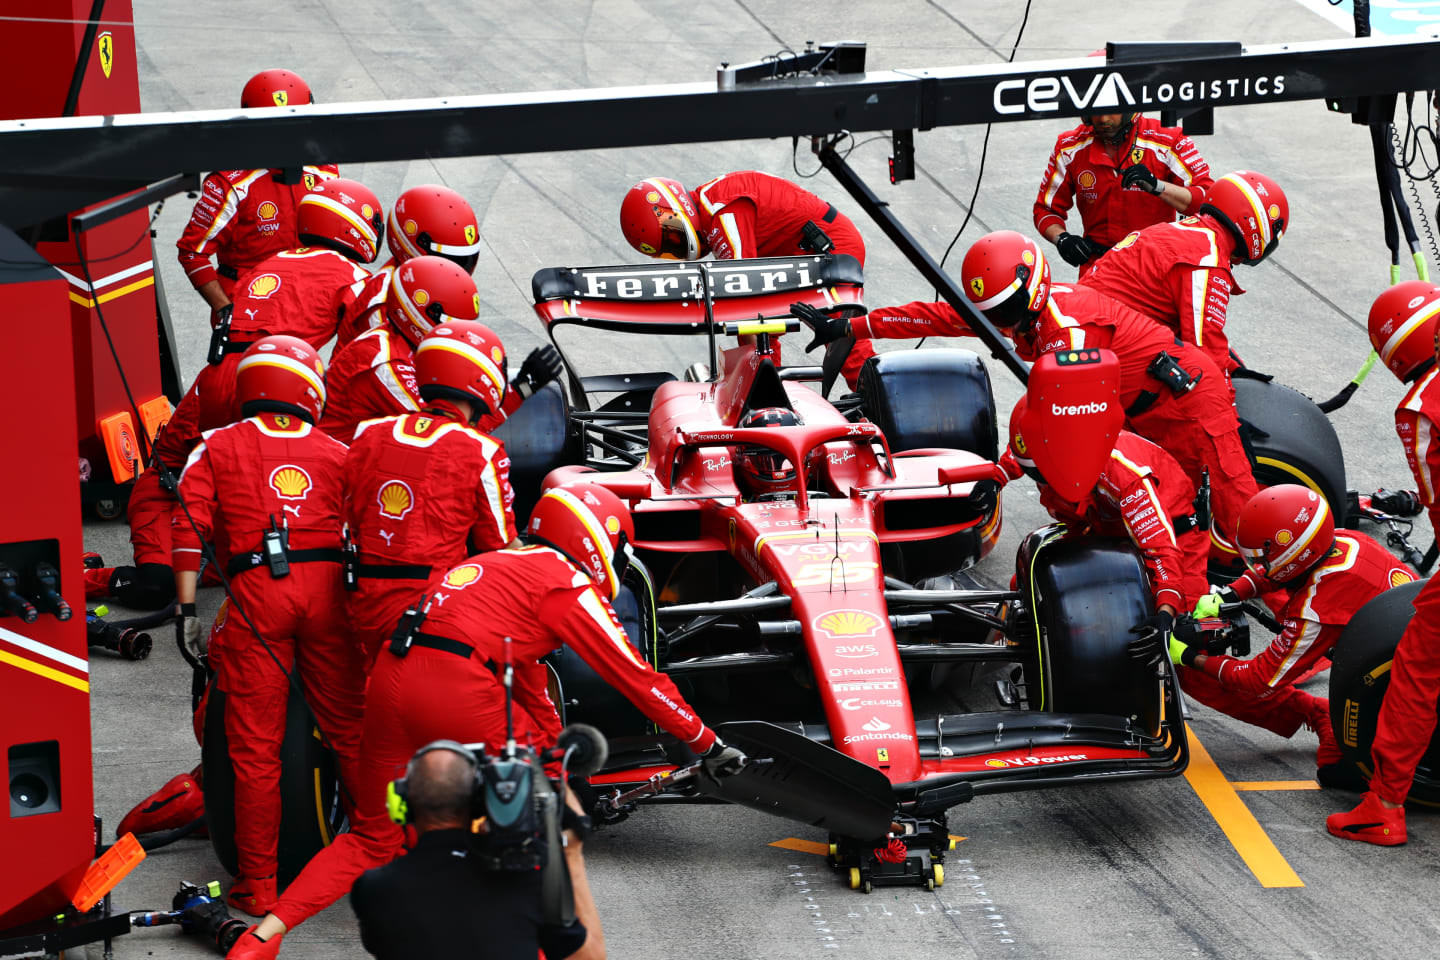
{"x": 1074, "y": 410}
{"x": 855, "y": 703}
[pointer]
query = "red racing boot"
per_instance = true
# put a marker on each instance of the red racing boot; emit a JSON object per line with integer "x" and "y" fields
{"x": 251, "y": 947}
{"x": 179, "y": 802}
{"x": 255, "y": 897}
{"x": 1371, "y": 822}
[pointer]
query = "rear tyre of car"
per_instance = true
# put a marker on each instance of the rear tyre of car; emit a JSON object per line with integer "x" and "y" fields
{"x": 926, "y": 399}
{"x": 931, "y": 398}
{"x": 1358, "y": 681}
{"x": 1292, "y": 441}
{"x": 538, "y": 438}
{"x": 1086, "y": 594}
{"x": 585, "y": 696}
{"x": 310, "y": 813}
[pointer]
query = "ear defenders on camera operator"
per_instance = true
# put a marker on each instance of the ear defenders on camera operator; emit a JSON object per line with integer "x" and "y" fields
{"x": 491, "y": 864}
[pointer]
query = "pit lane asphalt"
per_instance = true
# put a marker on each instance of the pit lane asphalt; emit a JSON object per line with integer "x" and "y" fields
{"x": 1138, "y": 870}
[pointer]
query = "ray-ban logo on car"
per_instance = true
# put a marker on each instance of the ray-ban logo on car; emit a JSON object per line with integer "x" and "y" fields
{"x": 1110, "y": 92}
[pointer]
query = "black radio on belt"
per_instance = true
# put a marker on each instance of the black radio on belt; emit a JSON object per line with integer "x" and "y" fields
{"x": 1168, "y": 371}
{"x": 273, "y": 546}
{"x": 350, "y": 565}
{"x": 408, "y": 626}
{"x": 814, "y": 239}
{"x": 220, "y": 336}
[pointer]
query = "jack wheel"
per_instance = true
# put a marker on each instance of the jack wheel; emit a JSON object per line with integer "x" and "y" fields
{"x": 952, "y": 844}
{"x": 854, "y": 878}
{"x": 937, "y": 876}
{"x": 834, "y": 854}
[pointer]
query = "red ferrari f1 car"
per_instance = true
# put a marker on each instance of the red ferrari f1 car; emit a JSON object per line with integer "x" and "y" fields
{"x": 824, "y": 614}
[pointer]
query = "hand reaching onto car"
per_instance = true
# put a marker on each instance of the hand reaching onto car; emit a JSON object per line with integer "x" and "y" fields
{"x": 540, "y": 367}
{"x": 827, "y": 329}
{"x": 723, "y": 760}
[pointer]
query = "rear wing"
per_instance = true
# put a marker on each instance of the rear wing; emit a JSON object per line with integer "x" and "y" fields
{"x": 664, "y": 297}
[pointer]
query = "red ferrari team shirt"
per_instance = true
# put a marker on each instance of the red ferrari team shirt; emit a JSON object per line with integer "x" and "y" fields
{"x": 1074, "y": 318}
{"x": 241, "y": 218}
{"x": 1355, "y": 571}
{"x": 1415, "y": 420}
{"x": 416, "y": 485}
{"x": 300, "y": 293}
{"x": 267, "y": 469}
{"x": 367, "y": 310}
{"x": 753, "y": 214}
{"x": 1081, "y": 173}
{"x": 373, "y": 376}
{"x": 540, "y": 600}
{"x": 1177, "y": 273}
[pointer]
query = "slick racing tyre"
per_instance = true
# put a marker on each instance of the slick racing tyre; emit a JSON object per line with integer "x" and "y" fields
{"x": 1086, "y": 594}
{"x": 538, "y": 438}
{"x": 1291, "y": 441}
{"x": 1358, "y": 681}
{"x": 931, "y": 398}
{"x": 310, "y": 812}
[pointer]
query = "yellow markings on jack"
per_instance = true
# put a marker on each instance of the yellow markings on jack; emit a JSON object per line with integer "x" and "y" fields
{"x": 1241, "y": 828}
{"x": 823, "y": 849}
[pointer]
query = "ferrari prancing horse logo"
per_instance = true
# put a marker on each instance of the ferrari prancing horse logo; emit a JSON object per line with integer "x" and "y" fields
{"x": 105, "y": 46}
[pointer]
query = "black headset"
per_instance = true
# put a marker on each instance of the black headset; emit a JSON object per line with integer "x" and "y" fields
{"x": 397, "y": 792}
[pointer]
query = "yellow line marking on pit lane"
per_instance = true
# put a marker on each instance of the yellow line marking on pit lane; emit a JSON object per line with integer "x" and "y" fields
{"x": 817, "y": 848}
{"x": 1275, "y": 785}
{"x": 1241, "y": 828}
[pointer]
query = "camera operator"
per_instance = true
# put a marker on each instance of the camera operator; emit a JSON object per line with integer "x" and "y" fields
{"x": 437, "y": 901}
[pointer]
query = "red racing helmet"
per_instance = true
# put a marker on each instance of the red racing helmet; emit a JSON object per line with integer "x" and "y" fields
{"x": 1284, "y": 531}
{"x": 463, "y": 360}
{"x": 432, "y": 219}
{"x": 344, "y": 216}
{"x": 1255, "y": 210}
{"x": 760, "y": 470}
{"x": 275, "y": 88}
{"x": 281, "y": 374}
{"x": 659, "y": 218}
{"x": 429, "y": 291}
{"x": 1403, "y": 323}
{"x": 591, "y": 526}
{"x": 1007, "y": 278}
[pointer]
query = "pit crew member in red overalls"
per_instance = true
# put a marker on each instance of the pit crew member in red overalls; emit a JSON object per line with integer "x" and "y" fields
{"x": 1405, "y": 331}
{"x": 439, "y": 676}
{"x": 298, "y": 293}
{"x": 1142, "y": 494}
{"x": 374, "y": 375}
{"x": 1126, "y": 172}
{"x": 419, "y": 486}
{"x": 739, "y": 215}
{"x": 428, "y": 220}
{"x": 243, "y": 216}
{"x": 1180, "y": 273}
{"x": 1172, "y": 393}
{"x": 1288, "y": 539}
{"x": 272, "y": 484}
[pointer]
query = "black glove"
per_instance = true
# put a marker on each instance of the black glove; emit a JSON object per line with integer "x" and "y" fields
{"x": 723, "y": 760}
{"x": 1245, "y": 373}
{"x": 222, "y": 315}
{"x": 1152, "y": 636}
{"x": 827, "y": 329}
{"x": 1140, "y": 177}
{"x": 1077, "y": 251}
{"x": 1397, "y": 503}
{"x": 984, "y": 495}
{"x": 542, "y": 366}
